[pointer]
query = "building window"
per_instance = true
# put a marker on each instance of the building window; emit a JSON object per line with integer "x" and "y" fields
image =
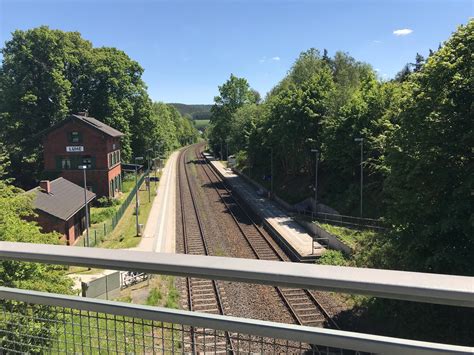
{"x": 65, "y": 163}
{"x": 75, "y": 137}
{"x": 87, "y": 161}
{"x": 113, "y": 158}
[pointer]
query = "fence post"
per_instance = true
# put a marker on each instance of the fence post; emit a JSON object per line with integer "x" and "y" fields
{"x": 105, "y": 229}
{"x": 95, "y": 237}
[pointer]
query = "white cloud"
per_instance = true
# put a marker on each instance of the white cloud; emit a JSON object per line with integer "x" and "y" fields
{"x": 262, "y": 60}
{"x": 376, "y": 41}
{"x": 402, "y": 32}
{"x": 377, "y": 69}
{"x": 276, "y": 58}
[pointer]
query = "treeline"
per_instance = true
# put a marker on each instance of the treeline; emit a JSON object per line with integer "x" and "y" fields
{"x": 195, "y": 112}
{"x": 417, "y": 138}
{"x": 47, "y": 74}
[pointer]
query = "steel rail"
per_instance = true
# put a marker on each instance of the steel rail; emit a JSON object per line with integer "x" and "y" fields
{"x": 185, "y": 242}
{"x": 278, "y": 255}
{"x": 203, "y": 240}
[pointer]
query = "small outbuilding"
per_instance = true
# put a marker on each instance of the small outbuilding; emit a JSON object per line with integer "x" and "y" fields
{"x": 60, "y": 207}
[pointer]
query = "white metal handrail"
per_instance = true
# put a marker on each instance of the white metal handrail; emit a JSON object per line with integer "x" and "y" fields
{"x": 310, "y": 335}
{"x": 410, "y": 286}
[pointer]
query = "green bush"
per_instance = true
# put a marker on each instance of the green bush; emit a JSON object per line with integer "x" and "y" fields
{"x": 333, "y": 257}
{"x": 102, "y": 214}
{"x": 173, "y": 297}
{"x": 107, "y": 202}
{"x": 154, "y": 297}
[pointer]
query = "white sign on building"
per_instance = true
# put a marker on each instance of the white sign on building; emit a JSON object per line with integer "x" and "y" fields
{"x": 75, "y": 148}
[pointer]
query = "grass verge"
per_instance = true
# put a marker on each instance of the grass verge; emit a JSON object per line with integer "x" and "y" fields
{"x": 348, "y": 236}
{"x": 125, "y": 234}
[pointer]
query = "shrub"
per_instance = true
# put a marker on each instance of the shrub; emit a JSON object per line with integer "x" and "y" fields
{"x": 101, "y": 214}
{"x": 154, "y": 297}
{"x": 333, "y": 257}
{"x": 107, "y": 202}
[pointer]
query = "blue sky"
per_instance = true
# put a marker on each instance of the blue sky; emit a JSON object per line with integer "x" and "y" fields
{"x": 188, "y": 48}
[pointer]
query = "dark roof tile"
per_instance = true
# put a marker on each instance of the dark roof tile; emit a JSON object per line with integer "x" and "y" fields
{"x": 65, "y": 199}
{"x": 91, "y": 121}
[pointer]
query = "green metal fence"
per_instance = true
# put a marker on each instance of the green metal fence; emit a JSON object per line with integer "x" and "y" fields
{"x": 99, "y": 232}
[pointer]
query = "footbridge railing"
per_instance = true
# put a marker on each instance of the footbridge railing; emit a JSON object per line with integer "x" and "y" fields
{"x": 32, "y": 321}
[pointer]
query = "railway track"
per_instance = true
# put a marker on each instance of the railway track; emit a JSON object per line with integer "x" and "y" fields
{"x": 202, "y": 295}
{"x": 301, "y": 303}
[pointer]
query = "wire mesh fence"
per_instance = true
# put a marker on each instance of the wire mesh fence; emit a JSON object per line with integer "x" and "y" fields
{"x": 32, "y": 328}
{"x": 100, "y": 231}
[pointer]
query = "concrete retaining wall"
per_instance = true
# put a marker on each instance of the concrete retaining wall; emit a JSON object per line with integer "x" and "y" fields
{"x": 332, "y": 241}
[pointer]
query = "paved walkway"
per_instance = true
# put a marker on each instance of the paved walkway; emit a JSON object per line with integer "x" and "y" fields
{"x": 293, "y": 233}
{"x": 160, "y": 230}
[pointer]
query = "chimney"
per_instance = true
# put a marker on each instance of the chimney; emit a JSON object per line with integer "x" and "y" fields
{"x": 46, "y": 186}
{"x": 82, "y": 113}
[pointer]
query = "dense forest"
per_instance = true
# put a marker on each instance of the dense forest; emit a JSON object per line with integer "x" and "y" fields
{"x": 417, "y": 138}
{"x": 194, "y": 112}
{"x": 47, "y": 74}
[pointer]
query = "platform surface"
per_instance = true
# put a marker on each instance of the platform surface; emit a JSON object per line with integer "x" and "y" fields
{"x": 293, "y": 233}
{"x": 160, "y": 230}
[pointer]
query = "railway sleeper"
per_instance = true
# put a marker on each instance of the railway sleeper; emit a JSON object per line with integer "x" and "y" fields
{"x": 214, "y": 310}
{"x": 301, "y": 304}
{"x": 200, "y": 295}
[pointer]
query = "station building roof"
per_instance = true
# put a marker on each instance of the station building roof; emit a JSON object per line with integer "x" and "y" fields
{"x": 63, "y": 200}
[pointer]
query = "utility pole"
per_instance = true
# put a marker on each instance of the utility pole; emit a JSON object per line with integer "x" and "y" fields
{"x": 361, "y": 140}
{"x": 316, "y": 152}
{"x": 84, "y": 168}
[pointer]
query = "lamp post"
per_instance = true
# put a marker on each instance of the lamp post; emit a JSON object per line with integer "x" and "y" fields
{"x": 148, "y": 185}
{"x": 136, "y": 193}
{"x": 316, "y": 152}
{"x": 157, "y": 150}
{"x": 271, "y": 171}
{"x": 84, "y": 168}
{"x": 361, "y": 140}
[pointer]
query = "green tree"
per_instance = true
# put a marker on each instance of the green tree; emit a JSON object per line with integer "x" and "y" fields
{"x": 233, "y": 94}
{"x": 35, "y": 91}
{"x": 47, "y": 74}
{"x": 15, "y": 207}
{"x": 431, "y": 181}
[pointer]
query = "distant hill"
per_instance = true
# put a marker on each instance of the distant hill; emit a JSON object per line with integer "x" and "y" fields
{"x": 195, "y": 112}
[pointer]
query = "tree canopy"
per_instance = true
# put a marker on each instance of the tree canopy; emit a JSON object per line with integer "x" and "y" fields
{"x": 47, "y": 74}
{"x": 417, "y": 132}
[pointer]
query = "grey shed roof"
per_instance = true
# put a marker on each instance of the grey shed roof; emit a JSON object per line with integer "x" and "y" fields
{"x": 64, "y": 201}
{"x": 101, "y": 126}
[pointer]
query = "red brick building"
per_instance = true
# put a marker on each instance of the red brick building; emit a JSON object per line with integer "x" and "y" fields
{"x": 59, "y": 205}
{"x": 82, "y": 140}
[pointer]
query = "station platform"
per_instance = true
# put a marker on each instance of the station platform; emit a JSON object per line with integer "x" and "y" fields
{"x": 291, "y": 236}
